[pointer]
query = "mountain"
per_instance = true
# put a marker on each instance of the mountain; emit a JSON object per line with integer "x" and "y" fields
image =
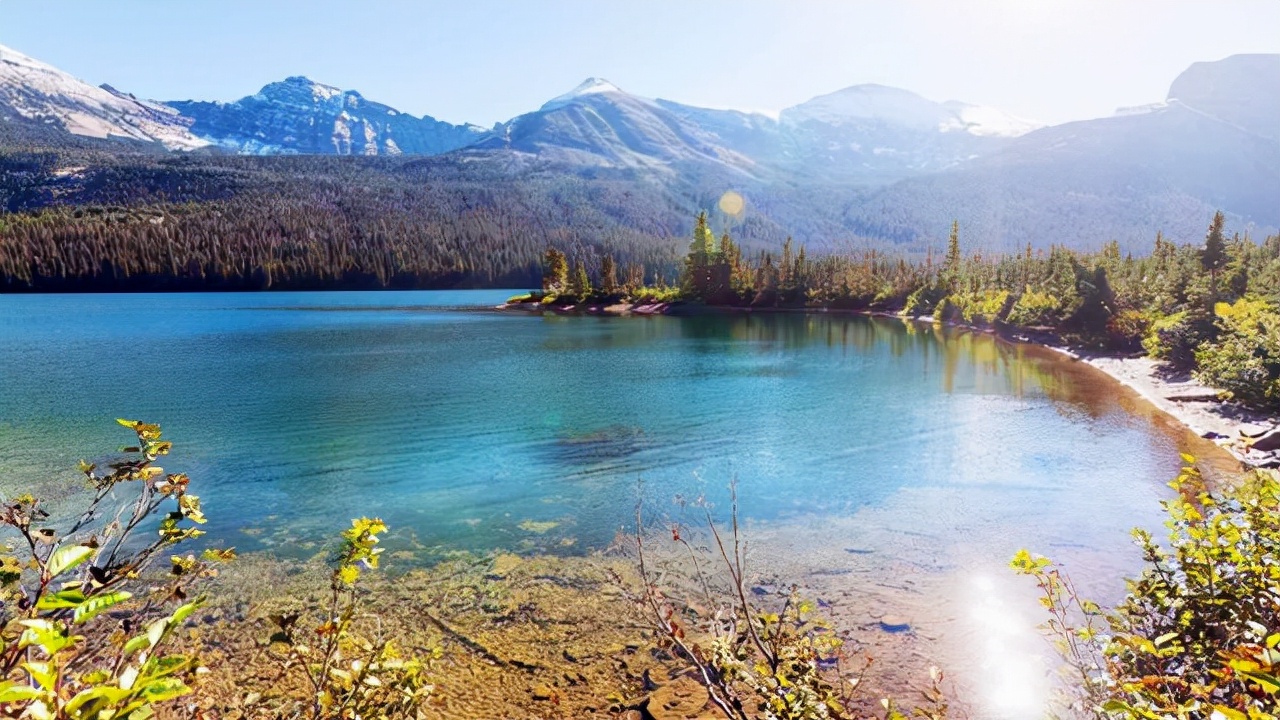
{"x": 866, "y": 166}
{"x": 39, "y": 97}
{"x": 301, "y": 116}
{"x": 874, "y": 134}
{"x": 867, "y": 134}
{"x": 598, "y": 125}
{"x": 1211, "y": 145}
{"x": 1240, "y": 90}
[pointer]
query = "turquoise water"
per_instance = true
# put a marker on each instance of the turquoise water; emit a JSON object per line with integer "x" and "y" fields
{"x": 886, "y": 467}
{"x": 294, "y": 412}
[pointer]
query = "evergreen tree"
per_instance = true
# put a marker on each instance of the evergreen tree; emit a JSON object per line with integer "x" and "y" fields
{"x": 608, "y": 275}
{"x": 951, "y": 270}
{"x": 580, "y": 284}
{"x": 555, "y": 272}
{"x": 702, "y": 253}
{"x": 786, "y": 272}
{"x": 1213, "y": 256}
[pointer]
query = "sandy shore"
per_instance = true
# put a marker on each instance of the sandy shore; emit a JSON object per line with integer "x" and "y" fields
{"x": 1188, "y": 401}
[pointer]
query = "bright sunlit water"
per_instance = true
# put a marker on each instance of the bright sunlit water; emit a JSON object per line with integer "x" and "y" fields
{"x": 853, "y": 440}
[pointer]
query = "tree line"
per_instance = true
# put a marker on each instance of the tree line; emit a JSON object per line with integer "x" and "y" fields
{"x": 1212, "y": 307}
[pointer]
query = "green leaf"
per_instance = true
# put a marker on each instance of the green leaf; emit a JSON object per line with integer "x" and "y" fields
{"x": 12, "y": 692}
{"x": 141, "y": 642}
{"x": 1229, "y": 713}
{"x": 106, "y": 693}
{"x": 1116, "y": 706}
{"x": 94, "y": 606}
{"x": 1269, "y": 683}
{"x": 184, "y": 612}
{"x": 60, "y": 600}
{"x": 161, "y": 667}
{"x": 45, "y": 674}
{"x": 67, "y": 557}
{"x": 164, "y": 689}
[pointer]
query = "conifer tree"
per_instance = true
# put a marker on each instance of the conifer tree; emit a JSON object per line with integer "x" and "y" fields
{"x": 580, "y": 283}
{"x": 608, "y": 275}
{"x": 697, "y": 263}
{"x": 555, "y": 272}
{"x": 951, "y": 270}
{"x": 1213, "y": 256}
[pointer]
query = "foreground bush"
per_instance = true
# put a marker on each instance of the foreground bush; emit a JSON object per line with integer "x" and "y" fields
{"x": 755, "y": 661}
{"x": 1198, "y": 634}
{"x": 90, "y": 630}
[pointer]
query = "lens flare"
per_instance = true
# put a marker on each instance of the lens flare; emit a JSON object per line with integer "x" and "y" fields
{"x": 732, "y": 203}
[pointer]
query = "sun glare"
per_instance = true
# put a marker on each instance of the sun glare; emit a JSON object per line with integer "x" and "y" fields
{"x": 732, "y": 203}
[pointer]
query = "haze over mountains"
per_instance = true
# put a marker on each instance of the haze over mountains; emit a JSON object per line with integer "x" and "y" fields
{"x": 867, "y": 165}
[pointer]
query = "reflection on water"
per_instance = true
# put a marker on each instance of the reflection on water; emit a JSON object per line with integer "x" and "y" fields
{"x": 865, "y": 449}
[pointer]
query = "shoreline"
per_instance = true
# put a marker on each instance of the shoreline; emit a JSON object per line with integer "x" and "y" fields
{"x": 1174, "y": 393}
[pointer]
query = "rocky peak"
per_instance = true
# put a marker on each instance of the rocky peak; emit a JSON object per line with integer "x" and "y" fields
{"x": 1240, "y": 90}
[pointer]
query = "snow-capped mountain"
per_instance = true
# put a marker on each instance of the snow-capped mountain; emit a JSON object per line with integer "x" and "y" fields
{"x": 867, "y": 134}
{"x": 597, "y": 124}
{"x": 34, "y": 93}
{"x": 872, "y": 103}
{"x": 876, "y": 134}
{"x": 301, "y": 116}
{"x": 868, "y": 161}
{"x": 590, "y": 86}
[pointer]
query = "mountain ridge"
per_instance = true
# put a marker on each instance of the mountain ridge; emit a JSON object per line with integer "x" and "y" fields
{"x": 864, "y": 166}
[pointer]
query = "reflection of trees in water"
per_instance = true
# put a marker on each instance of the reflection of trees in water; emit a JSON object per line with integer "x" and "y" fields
{"x": 969, "y": 361}
{"x": 966, "y": 361}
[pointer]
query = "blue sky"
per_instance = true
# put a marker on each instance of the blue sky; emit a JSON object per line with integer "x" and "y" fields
{"x": 485, "y": 60}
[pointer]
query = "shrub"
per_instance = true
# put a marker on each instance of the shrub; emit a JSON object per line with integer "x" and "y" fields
{"x": 1127, "y": 329}
{"x": 924, "y": 300}
{"x": 1035, "y": 309}
{"x": 84, "y": 633}
{"x": 59, "y": 656}
{"x": 1198, "y": 634}
{"x": 651, "y": 295}
{"x": 1176, "y": 338}
{"x": 781, "y": 663}
{"x": 351, "y": 675}
{"x": 1244, "y": 362}
{"x": 977, "y": 308}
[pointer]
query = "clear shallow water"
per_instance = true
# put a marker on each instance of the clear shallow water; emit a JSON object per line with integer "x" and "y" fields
{"x": 887, "y": 467}
{"x": 457, "y": 426}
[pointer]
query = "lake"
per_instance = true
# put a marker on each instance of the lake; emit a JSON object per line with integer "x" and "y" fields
{"x": 859, "y": 445}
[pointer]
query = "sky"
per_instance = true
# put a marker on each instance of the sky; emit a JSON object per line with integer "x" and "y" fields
{"x": 485, "y": 61}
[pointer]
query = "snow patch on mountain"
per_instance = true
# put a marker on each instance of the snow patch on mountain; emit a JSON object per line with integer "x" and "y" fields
{"x": 986, "y": 121}
{"x": 1140, "y": 109}
{"x": 861, "y": 104}
{"x": 42, "y": 93}
{"x": 867, "y": 102}
{"x": 590, "y": 86}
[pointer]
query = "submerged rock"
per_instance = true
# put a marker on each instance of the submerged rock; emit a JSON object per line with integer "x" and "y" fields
{"x": 1267, "y": 441}
{"x": 894, "y": 624}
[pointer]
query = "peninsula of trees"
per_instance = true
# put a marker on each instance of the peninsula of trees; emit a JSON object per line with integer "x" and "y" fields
{"x": 1213, "y": 308}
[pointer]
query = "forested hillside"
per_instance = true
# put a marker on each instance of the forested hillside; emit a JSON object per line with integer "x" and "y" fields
{"x": 595, "y": 171}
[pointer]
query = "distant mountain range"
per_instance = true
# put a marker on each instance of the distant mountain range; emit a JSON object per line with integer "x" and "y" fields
{"x": 867, "y": 164}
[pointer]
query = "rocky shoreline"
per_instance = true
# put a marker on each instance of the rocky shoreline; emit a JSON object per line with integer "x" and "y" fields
{"x": 1250, "y": 436}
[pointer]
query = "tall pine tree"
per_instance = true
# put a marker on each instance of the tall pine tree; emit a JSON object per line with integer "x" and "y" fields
{"x": 1213, "y": 256}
